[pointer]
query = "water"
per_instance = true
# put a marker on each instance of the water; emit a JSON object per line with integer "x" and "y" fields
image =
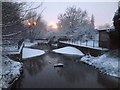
{"x": 39, "y": 72}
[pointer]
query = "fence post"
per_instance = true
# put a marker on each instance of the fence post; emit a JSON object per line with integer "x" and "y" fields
{"x": 80, "y": 42}
{"x": 86, "y": 42}
{"x": 18, "y": 44}
{"x": 77, "y": 41}
{"x": 93, "y": 43}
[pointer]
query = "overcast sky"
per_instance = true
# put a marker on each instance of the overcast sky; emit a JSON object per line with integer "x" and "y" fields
{"x": 103, "y": 11}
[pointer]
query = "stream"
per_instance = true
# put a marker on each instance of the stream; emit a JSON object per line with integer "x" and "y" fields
{"x": 39, "y": 72}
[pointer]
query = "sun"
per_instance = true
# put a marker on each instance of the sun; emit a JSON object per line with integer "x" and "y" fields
{"x": 53, "y": 25}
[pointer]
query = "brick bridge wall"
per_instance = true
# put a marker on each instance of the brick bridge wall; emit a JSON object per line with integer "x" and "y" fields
{"x": 85, "y": 50}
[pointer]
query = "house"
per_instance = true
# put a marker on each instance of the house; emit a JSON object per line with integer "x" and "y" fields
{"x": 108, "y": 38}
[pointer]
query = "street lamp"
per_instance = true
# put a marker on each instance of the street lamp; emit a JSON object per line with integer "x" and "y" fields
{"x": 31, "y": 25}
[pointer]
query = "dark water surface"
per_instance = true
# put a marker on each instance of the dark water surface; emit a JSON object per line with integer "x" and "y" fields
{"x": 39, "y": 72}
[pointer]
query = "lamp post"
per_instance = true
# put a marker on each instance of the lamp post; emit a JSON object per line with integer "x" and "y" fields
{"x": 31, "y": 25}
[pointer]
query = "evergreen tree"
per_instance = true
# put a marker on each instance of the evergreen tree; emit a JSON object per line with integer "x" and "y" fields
{"x": 93, "y": 21}
{"x": 11, "y": 21}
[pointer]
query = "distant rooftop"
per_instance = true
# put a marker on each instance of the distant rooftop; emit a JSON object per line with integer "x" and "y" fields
{"x": 106, "y": 29}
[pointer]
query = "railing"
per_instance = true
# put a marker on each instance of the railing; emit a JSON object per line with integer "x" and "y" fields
{"x": 91, "y": 43}
{"x": 94, "y": 44}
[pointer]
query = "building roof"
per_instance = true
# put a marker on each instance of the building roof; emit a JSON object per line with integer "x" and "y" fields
{"x": 107, "y": 29}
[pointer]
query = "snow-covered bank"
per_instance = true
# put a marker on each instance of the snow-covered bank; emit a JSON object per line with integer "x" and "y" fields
{"x": 27, "y": 42}
{"x": 28, "y": 53}
{"x": 0, "y": 73}
{"x": 10, "y": 71}
{"x": 105, "y": 63}
{"x": 69, "y": 50}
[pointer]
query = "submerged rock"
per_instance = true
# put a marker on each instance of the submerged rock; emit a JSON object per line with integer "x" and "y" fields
{"x": 58, "y": 65}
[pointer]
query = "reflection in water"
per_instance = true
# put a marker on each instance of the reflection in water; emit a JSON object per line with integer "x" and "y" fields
{"x": 39, "y": 72}
{"x": 71, "y": 73}
{"x": 34, "y": 65}
{"x": 108, "y": 81}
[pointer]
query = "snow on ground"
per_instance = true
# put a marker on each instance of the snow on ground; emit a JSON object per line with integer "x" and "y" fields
{"x": 0, "y": 64}
{"x": 83, "y": 44}
{"x": 104, "y": 63}
{"x": 59, "y": 65}
{"x": 0, "y": 73}
{"x": 10, "y": 48}
{"x": 29, "y": 44}
{"x": 91, "y": 43}
{"x": 69, "y": 50}
{"x": 28, "y": 53}
{"x": 10, "y": 71}
{"x": 16, "y": 52}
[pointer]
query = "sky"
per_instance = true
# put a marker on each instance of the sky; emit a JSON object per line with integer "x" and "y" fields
{"x": 102, "y": 11}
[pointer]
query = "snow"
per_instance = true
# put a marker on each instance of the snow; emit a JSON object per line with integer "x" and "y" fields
{"x": 0, "y": 73}
{"x": 28, "y": 53}
{"x": 58, "y": 65}
{"x": 69, "y": 50}
{"x": 10, "y": 48}
{"x": 89, "y": 44}
{"x": 10, "y": 71}
{"x": 29, "y": 44}
{"x": 16, "y": 52}
{"x": 11, "y": 34}
{"x": 105, "y": 64}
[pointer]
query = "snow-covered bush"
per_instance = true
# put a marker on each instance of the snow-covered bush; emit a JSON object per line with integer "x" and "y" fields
{"x": 76, "y": 22}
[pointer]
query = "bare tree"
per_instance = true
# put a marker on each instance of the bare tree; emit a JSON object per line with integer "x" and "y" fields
{"x": 76, "y": 23}
{"x": 14, "y": 14}
{"x": 10, "y": 14}
{"x": 36, "y": 26}
{"x": 72, "y": 18}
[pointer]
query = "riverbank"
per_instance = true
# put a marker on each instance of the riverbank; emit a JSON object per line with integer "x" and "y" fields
{"x": 106, "y": 63}
{"x": 10, "y": 72}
